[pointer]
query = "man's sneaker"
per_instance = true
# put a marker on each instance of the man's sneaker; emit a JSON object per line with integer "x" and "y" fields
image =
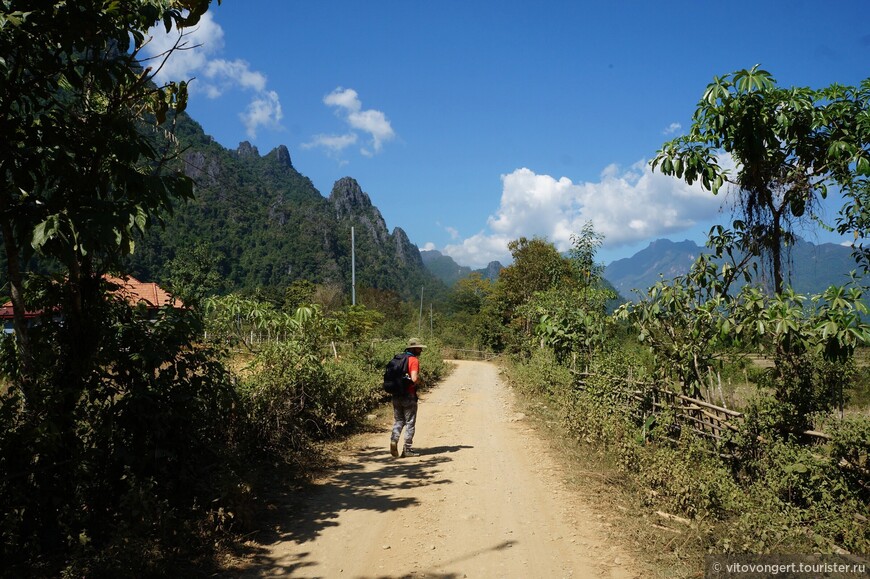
{"x": 408, "y": 451}
{"x": 394, "y": 448}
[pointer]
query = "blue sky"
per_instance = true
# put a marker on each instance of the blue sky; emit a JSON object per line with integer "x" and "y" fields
{"x": 472, "y": 123}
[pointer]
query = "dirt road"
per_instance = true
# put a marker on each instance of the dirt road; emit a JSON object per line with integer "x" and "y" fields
{"x": 485, "y": 499}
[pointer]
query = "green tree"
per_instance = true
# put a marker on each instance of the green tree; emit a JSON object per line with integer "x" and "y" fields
{"x": 81, "y": 170}
{"x": 537, "y": 267}
{"x": 465, "y": 325}
{"x": 397, "y": 314}
{"x": 299, "y": 293}
{"x": 572, "y": 316}
{"x": 194, "y": 274}
{"x": 684, "y": 322}
{"x": 109, "y": 406}
{"x": 812, "y": 342}
{"x": 470, "y": 293}
{"x": 584, "y": 247}
{"x": 789, "y": 145}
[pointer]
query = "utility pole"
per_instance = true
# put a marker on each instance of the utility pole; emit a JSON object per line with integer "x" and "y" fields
{"x": 352, "y": 268}
{"x": 420, "y": 322}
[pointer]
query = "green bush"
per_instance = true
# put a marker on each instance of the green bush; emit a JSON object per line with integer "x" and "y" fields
{"x": 851, "y": 445}
{"x": 109, "y": 474}
{"x": 799, "y": 497}
{"x": 541, "y": 374}
{"x": 689, "y": 479}
{"x": 350, "y": 391}
{"x": 776, "y": 495}
{"x": 294, "y": 396}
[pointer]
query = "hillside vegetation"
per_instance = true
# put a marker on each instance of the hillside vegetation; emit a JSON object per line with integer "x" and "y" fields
{"x": 260, "y": 225}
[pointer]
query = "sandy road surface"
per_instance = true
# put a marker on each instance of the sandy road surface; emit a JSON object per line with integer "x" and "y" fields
{"x": 484, "y": 500}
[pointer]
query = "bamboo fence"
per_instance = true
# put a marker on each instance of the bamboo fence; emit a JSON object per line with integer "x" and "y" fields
{"x": 709, "y": 421}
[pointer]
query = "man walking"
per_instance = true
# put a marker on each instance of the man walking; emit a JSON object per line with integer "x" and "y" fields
{"x": 405, "y": 404}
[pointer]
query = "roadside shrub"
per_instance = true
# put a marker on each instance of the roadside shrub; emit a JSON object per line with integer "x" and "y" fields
{"x": 592, "y": 422}
{"x": 284, "y": 397}
{"x": 114, "y": 473}
{"x": 850, "y": 448}
{"x": 858, "y": 393}
{"x": 765, "y": 526}
{"x": 688, "y": 479}
{"x": 347, "y": 394}
{"x": 541, "y": 374}
{"x": 801, "y": 497}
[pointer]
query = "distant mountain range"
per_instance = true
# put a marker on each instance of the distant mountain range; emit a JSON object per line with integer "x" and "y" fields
{"x": 447, "y": 270}
{"x": 812, "y": 268}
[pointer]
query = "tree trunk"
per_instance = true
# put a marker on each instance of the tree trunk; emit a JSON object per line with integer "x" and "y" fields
{"x": 776, "y": 253}
{"x": 16, "y": 285}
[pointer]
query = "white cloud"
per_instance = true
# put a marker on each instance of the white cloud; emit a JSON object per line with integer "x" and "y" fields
{"x": 334, "y": 144}
{"x": 374, "y": 123}
{"x": 264, "y": 111}
{"x": 347, "y": 99}
{"x": 211, "y": 76}
{"x": 196, "y": 46}
{"x": 672, "y": 128}
{"x": 226, "y": 74}
{"x": 370, "y": 122}
{"x": 428, "y": 246}
{"x": 626, "y": 206}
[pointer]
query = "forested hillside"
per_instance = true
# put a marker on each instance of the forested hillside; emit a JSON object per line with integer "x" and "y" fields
{"x": 261, "y": 225}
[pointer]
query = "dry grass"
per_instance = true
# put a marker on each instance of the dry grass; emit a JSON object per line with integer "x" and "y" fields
{"x": 239, "y": 363}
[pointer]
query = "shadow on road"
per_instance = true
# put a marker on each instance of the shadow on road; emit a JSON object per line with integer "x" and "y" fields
{"x": 366, "y": 480}
{"x": 442, "y": 449}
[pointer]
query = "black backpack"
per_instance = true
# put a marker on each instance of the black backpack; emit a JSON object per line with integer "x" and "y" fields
{"x": 396, "y": 377}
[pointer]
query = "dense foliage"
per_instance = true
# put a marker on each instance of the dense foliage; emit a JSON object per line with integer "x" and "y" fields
{"x": 110, "y": 414}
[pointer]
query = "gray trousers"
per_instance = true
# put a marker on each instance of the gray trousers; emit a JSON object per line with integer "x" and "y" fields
{"x": 404, "y": 416}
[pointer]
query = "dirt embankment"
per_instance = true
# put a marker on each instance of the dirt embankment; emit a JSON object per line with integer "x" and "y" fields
{"x": 485, "y": 499}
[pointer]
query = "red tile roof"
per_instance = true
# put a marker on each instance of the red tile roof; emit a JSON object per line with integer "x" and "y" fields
{"x": 133, "y": 290}
{"x": 6, "y": 312}
{"x": 136, "y": 291}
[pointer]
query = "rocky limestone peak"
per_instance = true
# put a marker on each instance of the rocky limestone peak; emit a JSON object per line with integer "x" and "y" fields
{"x": 204, "y": 169}
{"x": 348, "y": 198}
{"x": 351, "y": 203}
{"x": 246, "y": 149}
{"x": 282, "y": 154}
{"x": 492, "y": 270}
{"x": 407, "y": 252}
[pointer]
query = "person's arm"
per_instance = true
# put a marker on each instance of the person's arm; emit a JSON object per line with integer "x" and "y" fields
{"x": 414, "y": 369}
